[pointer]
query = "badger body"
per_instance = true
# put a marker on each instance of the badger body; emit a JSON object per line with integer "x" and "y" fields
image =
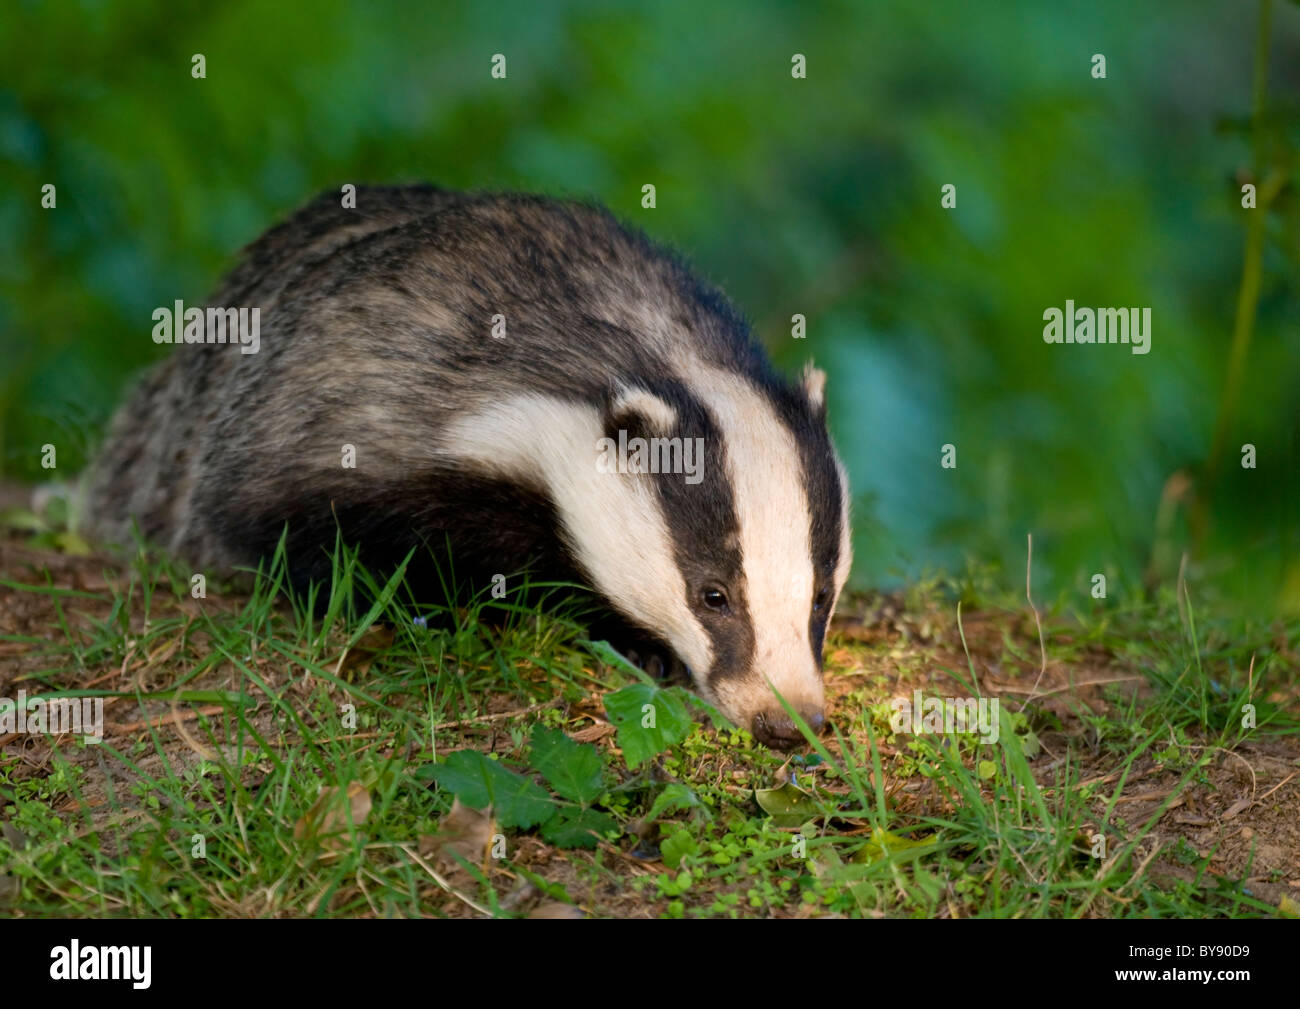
{"x": 484, "y": 356}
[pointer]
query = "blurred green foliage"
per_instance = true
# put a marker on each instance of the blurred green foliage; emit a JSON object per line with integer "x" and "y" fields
{"x": 818, "y": 196}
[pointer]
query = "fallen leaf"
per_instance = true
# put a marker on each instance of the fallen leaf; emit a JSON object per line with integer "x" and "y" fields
{"x": 358, "y": 658}
{"x": 556, "y": 909}
{"x": 330, "y": 816}
{"x": 789, "y": 805}
{"x": 22, "y": 518}
{"x": 72, "y": 544}
{"x": 464, "y": 831}
{"x": 1236, "y": 808}
{"x": 594, "y": 732}
{"x": 884, "y": 843}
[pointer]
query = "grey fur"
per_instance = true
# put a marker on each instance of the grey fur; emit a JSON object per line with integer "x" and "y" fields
{"x": 376, "y": 331}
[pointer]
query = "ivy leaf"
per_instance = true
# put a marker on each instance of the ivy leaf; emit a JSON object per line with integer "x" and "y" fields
{"x": 574, "y": 770}
{"x": 479, "y": 782}
{"x": 649, "y": 721}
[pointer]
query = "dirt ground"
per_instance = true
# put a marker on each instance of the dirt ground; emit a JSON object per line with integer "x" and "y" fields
{"x": 1245, "y": 809}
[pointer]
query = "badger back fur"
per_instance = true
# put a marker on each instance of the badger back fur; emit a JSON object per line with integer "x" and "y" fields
{"x": 483, "y": 354}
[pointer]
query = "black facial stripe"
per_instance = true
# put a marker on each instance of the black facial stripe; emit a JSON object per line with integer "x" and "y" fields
{"x": 701, "y": 521}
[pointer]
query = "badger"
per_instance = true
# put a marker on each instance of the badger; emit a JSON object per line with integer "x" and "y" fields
{"x": 520, "y": 381}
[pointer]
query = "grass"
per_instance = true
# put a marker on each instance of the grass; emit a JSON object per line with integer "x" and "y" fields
{"x": 271, "y": 756}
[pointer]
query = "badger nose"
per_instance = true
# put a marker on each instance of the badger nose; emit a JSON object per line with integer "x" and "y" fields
{"x": 777, "y": 729}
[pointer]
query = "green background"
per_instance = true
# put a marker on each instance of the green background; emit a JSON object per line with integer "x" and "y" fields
{"x": 817, "y": 196}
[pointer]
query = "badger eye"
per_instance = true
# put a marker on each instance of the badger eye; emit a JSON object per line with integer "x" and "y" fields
{"x": 714, "y": 598}
{"x": 820, "y": 600}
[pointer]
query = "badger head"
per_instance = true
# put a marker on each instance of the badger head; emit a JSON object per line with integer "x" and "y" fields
{"x": 730, "y": 513}
{"x": 708, "y": 508}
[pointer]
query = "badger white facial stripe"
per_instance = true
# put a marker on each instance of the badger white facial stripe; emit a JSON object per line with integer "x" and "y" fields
{"x": 771, "y": 505}
{"x": 611, "y": 520}
{"x": 827, "y": 487}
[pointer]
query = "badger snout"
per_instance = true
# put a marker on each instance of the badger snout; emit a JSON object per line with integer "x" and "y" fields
{"x": 777, "y": 729}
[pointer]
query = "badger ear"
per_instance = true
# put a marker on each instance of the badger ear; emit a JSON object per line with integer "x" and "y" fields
{"x": 639, "y": 412}
{"x": 814, "y": 387}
